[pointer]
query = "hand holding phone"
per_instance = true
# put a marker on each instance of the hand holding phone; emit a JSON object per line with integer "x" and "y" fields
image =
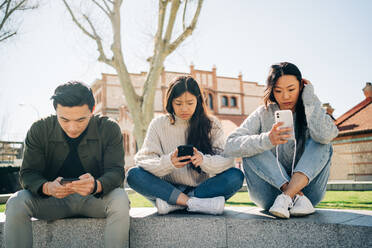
{"x": 182, "y": 156}
{"x": 185, "y": 150}
{"x": 282, "y": 130}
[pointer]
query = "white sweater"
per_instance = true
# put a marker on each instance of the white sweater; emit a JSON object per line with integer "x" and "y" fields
{"x": 162, "y": 139}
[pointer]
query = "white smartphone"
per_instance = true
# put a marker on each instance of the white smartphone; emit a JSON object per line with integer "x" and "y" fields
{"x": 286, "y": 117}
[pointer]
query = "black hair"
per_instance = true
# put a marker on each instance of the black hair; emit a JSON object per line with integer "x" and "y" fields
{"x": 276, "y": 71}
{"x": 72, "y": 94}
{"x": 200, "y": 125}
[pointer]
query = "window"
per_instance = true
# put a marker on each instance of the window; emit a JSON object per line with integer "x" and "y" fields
{"x": 210, "y": 101}
{"x": 224, "y": 101}
{"x": 233, "y": 101}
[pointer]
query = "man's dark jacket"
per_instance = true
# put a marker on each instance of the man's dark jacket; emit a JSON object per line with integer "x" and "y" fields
{"x": 100, "y": 151}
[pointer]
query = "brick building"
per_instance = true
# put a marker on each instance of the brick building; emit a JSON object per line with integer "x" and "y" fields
{"x": 352, "y": 159}
{"x": 230, "y": 99}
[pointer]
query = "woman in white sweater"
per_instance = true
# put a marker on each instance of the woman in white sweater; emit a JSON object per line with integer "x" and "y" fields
{"x": 206, "y": 179}
{"x": 285, "y": 175}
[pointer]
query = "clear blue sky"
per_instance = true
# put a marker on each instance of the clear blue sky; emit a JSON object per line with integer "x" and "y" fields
{"x": 329, "y": 40}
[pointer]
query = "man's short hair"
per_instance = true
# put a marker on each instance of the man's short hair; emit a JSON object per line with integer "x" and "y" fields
{"x": 72, "y": 94}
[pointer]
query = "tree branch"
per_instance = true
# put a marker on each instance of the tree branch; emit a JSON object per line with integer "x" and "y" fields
{"x": 184, "y": 15}
{"x": 77, "y": 22}
{"x": 9, "y": 13}
{"x": 187, "y": 32}
{"x": 171, "y": 21}
{"x": 107, "y": 11}
{"x": 106, "y": 5}
{"x": 2, "y": 38}
{"x": 102, "y": 56}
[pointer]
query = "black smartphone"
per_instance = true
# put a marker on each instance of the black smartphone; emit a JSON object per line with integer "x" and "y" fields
{"x": 185, "y": 150}
{"x": 68, "y": 180}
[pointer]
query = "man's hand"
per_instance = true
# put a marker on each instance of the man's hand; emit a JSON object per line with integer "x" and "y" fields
{"x": 84, "y": 186}
{"x": 56, "y": 190}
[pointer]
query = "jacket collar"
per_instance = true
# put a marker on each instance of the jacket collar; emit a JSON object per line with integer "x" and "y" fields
{"x": 92, "y": 132}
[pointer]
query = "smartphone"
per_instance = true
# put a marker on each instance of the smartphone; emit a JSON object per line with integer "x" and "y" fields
{"x": 185, "y": 150}
{"x": 68, "y": 180}
{"x": 286, "y": 117}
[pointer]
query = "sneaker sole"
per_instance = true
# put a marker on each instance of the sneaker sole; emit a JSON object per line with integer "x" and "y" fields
{"x": 300, "y": 214}
{"x": 278, "y": 214}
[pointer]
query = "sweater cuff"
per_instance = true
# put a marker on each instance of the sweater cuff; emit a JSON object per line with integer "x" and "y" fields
{"x": 266, "y": 142}
{"x": 167, "y": 162}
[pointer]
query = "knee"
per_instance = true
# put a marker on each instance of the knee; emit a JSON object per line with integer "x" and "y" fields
{"x": 118, "y": 202}
{"x": 17, "y": 204}
{"x": 133, "y": 174}
{"x": 235, "y": 177}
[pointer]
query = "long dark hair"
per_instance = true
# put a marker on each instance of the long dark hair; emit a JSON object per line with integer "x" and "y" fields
{"x": 276, "y": 71}
{"x": 200, "y": 125}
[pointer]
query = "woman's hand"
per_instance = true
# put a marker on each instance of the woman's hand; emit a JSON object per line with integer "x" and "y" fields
{"x": 305, "y": 81}
{"x": 176, "y": 161}
{"x": 197, "y": 158}
{"x": 279, "y": 135}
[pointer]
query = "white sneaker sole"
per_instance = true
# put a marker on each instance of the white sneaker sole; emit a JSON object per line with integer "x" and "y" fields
{"x": 301, "y": 214}
{"x": 278, "y": 214}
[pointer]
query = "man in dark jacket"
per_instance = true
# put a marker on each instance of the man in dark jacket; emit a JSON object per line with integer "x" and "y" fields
{"x": 73, "y": 165}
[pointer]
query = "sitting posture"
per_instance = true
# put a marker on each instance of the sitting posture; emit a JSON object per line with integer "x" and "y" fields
{"x": 198, "y": 178}
{"x": 286, "y": 169}
{"x": 73, "y": 165}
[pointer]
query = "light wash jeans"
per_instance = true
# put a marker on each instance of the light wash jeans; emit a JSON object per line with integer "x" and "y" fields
{"x": 224, "y": 184}
{"x": 264, "y": 178}
{"x": 22, "y": 205}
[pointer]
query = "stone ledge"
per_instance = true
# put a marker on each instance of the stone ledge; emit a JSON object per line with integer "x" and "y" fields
{"x": 237, "y": 227}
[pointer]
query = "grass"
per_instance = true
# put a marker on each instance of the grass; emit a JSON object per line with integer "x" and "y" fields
{"x": 357, "y": 200}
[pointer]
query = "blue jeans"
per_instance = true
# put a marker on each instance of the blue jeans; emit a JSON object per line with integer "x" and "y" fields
{"x": 224, "y": 184}
{"x": 264, "y": 178}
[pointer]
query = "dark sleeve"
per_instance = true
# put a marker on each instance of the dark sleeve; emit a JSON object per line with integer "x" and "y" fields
{"x": 113, "y": 158}
{"x": 33, "y": 164}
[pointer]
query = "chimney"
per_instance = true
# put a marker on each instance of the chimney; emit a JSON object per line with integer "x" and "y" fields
{"x": 240, "y": 76}
{"x": 192, "y": 69}
{"x": 328, "y": 108}
{"x": 368, "y": 90}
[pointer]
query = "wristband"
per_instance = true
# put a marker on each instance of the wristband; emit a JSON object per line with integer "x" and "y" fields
{"x": 95, "y": 187}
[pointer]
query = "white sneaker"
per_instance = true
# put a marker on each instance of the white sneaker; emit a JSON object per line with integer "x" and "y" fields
{"x": 165, "y": 208}
{"x": 301, "y": 206}
{"x": 281, "y": 205}
{"x": 213, "y": 205}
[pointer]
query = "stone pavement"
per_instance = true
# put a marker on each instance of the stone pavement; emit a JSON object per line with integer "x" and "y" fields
{"x": 237, "y": 227}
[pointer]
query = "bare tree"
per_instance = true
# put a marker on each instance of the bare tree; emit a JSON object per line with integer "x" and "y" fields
{"x": 141, "y": 106}
{"x": 8, "y": 16}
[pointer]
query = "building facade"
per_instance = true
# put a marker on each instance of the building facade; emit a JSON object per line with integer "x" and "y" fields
{"x": 229, "y": 99}
{"x": 352, "y": 148}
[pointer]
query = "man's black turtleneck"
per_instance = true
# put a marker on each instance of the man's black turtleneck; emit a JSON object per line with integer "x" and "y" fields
{"x": 72, "y": 166}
